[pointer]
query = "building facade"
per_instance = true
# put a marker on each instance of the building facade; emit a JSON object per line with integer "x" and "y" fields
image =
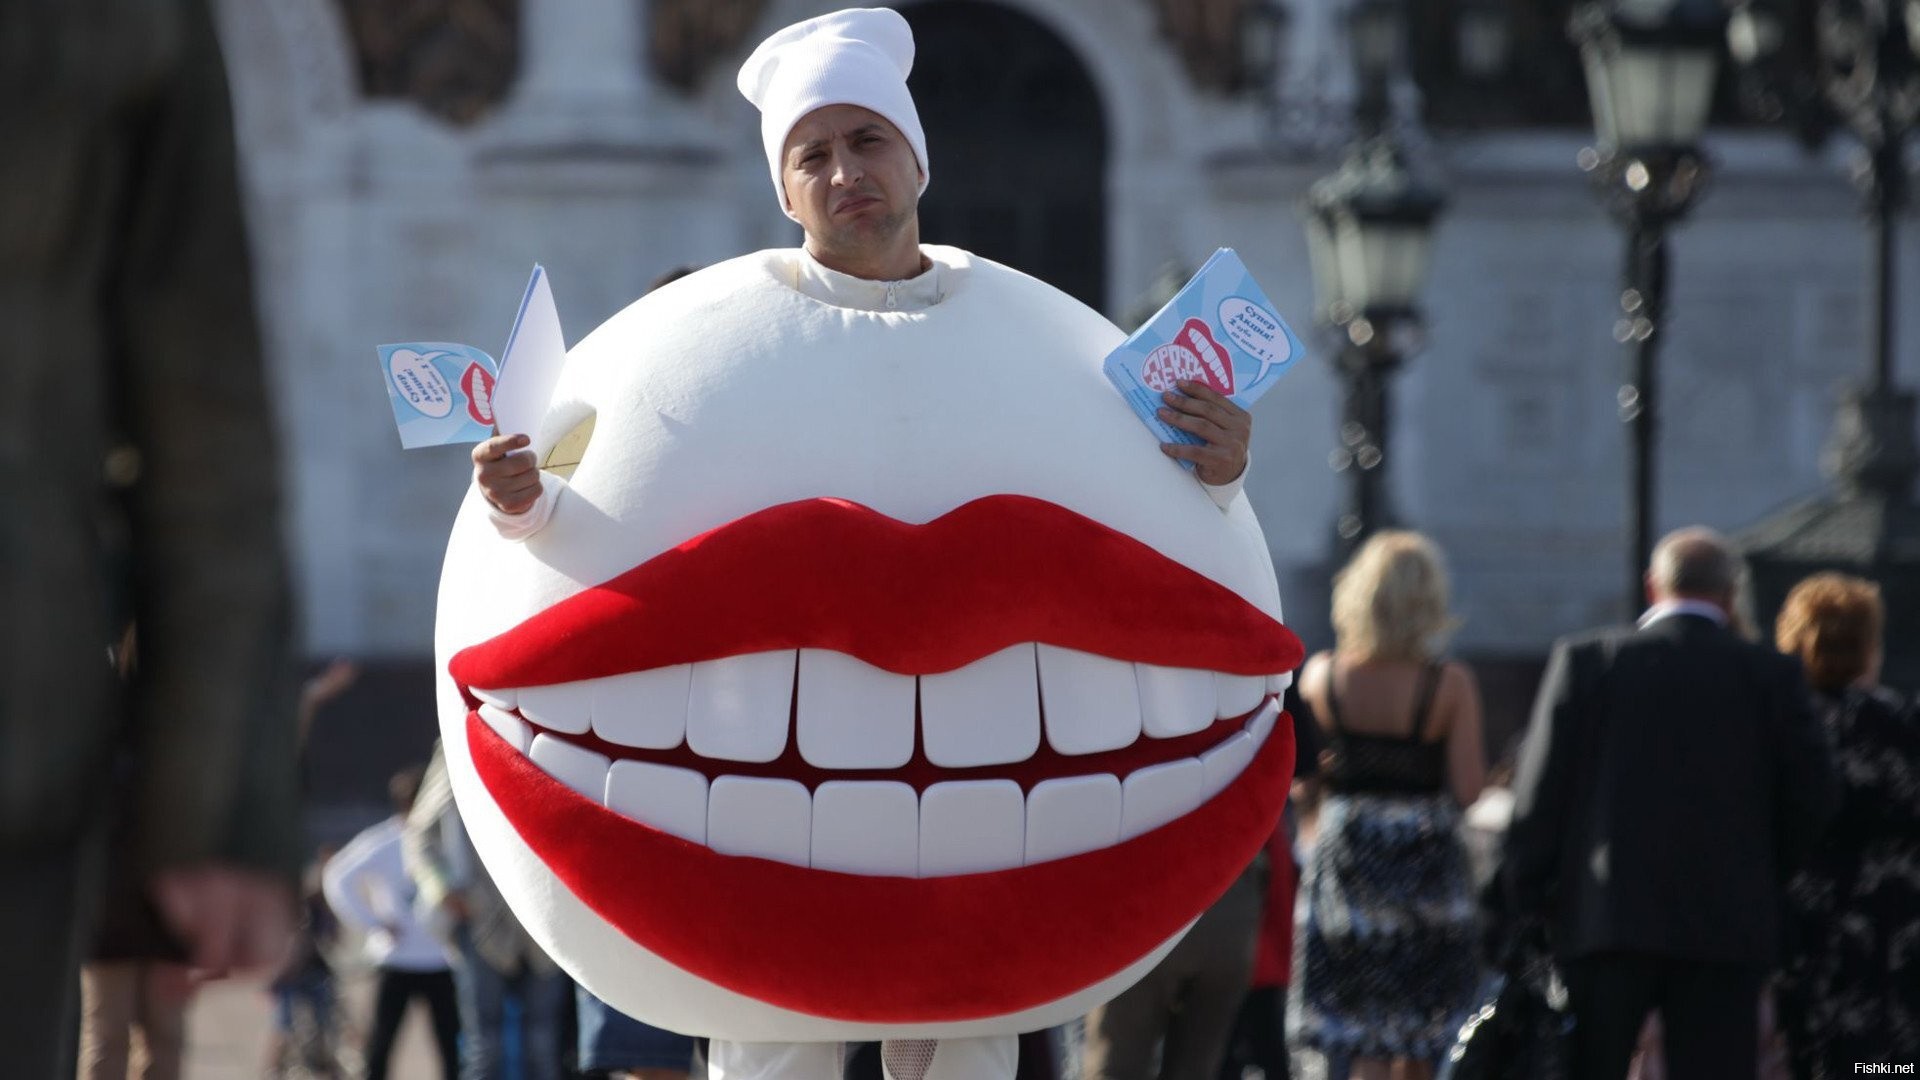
{"x": 408, "y": 162}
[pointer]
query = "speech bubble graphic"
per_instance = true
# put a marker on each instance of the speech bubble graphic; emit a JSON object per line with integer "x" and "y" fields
{"x": 421, "y": 386}
{"x": 1256, "y": 331}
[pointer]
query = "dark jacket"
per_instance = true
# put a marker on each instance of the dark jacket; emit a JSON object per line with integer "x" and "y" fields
{"x": 1670, "y": 780}
{"x": 129, "y": 321}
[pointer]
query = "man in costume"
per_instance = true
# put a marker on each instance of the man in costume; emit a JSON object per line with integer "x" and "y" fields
{"x": 853, "y": 604}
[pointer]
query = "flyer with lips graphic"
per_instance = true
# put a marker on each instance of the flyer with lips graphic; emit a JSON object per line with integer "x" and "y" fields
{"x": 444, "y": 393}
{"x": 441, "y": 392}
{"x": 1219, "y": 330}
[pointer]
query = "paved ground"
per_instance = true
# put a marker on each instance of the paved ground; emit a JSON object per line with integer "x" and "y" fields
{"x": 228, "y": 1023}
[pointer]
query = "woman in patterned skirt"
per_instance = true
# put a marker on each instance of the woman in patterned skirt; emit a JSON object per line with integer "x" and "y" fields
{"x": 1384, "y": 960}
{"x": 1849, "y": 992}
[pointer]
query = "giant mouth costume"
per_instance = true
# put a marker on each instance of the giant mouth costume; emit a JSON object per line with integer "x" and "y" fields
{"x": 875, "y": 676}
{"x": 878, "y": 675}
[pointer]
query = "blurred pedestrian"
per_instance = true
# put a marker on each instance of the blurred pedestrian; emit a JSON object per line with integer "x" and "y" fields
{"x": 493, "y": 956}
{"x": 133, "y": 992}
{"x": 615, "y": 1045}
{"x": 1173, "y": 1024}
{"x": 368, "y": 888}
{"x": 1384, "y": 956}
{"x": 1850, "y": 986}
{"x": 138, "y": 483}
{"x": 306, "y": 1002}
{"x": 1672, "y": 776}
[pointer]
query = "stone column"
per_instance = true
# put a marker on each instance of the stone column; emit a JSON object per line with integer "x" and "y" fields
{"x": 583, "y": 90}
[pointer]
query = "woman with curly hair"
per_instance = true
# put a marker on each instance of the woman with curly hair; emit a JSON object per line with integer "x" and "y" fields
{"x": 1850, "y": 989}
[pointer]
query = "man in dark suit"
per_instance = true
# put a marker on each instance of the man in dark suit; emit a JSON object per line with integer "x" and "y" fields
{"x": 1672, "y": 776}
{"x": 138, "y": 485}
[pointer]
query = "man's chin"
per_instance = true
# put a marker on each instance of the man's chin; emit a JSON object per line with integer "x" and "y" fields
{"x": 865, "y": 237}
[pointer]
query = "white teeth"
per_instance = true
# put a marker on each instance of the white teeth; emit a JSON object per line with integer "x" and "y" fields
{"x": 738, "y": 708}
{"x": 1277, "y": 684}
{"x": 566, "y": 708}
{"x": 1157, "y": 794}
{"x": 511, "y": 728}
{"x": 582, "y": 770}
{"x": 1090, "y": 702}
{"x": 646, "y": 709}
{"x": 669, "y": 799}
{"x": 767, "y": 819}
{"x": 862, "y": 827}
{"x": 499, "y": 699}
{"x": 852, "y": 715}
{"x": 987, "y": 713}
{"x": 1072, "y": 815}
{"x": 1174, "y": 701}
{"x": 1225, "y": 762}
{"x": 1239, "y": 694}
{"x": 972, "y": 826}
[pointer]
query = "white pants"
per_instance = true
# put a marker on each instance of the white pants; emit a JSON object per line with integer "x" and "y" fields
{"x": 990, "y": 1058}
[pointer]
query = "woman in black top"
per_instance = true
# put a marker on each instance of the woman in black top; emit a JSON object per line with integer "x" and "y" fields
{"x": 1384, "y": 956}
{"x": 1850, "y": 989}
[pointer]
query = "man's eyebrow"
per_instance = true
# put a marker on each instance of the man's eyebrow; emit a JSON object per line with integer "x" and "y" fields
{"x": 863, "y": 129}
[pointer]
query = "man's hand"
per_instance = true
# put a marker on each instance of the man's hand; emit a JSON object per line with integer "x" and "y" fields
{"x": 228, "y": 918}
{"x": 1225, "y": 427}
{"x": 507, "y": 474}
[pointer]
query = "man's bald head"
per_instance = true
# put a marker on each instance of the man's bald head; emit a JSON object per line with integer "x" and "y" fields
{"x": 1695, "y": 563}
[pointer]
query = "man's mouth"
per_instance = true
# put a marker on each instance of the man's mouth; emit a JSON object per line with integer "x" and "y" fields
{"x": 1007, "y": 688}
{"x": 855, "y": 203}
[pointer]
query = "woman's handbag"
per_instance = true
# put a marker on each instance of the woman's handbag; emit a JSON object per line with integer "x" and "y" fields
{"x": 1523, "y": 1028}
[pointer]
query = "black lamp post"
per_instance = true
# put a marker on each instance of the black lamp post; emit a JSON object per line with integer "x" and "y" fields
{"x": 1370, "y": 234}
{"x": 1650, "y": 72}
{"x": 1817, "y": 65}
{"x": 1377, "y": 34}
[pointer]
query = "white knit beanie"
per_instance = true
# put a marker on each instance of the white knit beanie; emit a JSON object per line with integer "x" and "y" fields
{"x": 858, "y": 56}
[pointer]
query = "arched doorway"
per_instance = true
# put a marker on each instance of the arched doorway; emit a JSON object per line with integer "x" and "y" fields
{"x": 1018, "y": 143}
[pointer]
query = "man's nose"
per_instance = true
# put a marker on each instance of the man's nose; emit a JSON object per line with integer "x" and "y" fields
{"x": 846, "y": 168}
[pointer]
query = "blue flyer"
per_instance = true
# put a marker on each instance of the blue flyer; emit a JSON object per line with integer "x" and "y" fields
{"x": 442, "y": 393}
{"x": 1220, "y": 329}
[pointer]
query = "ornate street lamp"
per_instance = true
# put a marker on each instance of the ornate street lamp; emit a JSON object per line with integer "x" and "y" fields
{"x": 1370, "y": 235}
{"x": 1377, "y": 33}
{"x": 1650, "y": 73}
{"x": 1816, "y": 65}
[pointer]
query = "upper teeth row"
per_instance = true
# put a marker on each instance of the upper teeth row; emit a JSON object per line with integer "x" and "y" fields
{"x": 848, "y": 714}
{"x": 886, "y": 827}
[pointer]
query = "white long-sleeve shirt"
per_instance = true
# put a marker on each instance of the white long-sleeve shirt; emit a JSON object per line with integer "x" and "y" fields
{"x": 828, "y": 286}
{"x": 367, "y": 886}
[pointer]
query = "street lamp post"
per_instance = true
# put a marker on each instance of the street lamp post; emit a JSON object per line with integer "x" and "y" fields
{"x": 1369, "y": 233}
{"x": 1650, "y": 74}
{"x": 1816, "y": 65}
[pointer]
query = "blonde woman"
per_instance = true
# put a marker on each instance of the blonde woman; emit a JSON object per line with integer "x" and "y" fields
{"x": 1384, "y": 965}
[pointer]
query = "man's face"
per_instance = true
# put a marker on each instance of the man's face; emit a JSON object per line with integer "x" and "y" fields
{"x": 851, "y": 178}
